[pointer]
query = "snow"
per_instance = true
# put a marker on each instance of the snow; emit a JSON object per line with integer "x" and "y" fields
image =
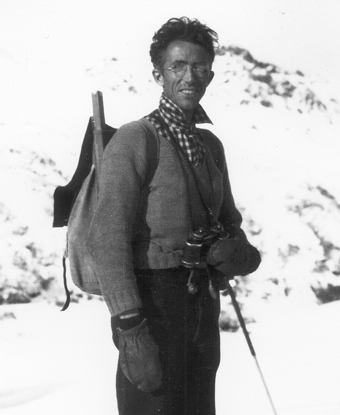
{"x": 297, "y": 351}
{"x": 57, "y": 363}
{"x": 63, "y": 363}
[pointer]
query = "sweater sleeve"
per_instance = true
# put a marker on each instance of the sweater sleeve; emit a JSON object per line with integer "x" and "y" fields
{"x": 229, "y": 214}
{"x": 231, "y": 219}
{"x": 109, "y": 244}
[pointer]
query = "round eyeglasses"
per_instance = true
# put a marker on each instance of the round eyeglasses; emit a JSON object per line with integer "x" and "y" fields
{"x": 179, "y": 69}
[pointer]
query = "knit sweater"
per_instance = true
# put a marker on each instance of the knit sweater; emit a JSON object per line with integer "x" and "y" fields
{"x": 145, "y": 225}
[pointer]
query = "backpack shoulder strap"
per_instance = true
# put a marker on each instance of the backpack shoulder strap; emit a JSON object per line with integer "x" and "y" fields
{"x": 152, "y": 148}
{"x": 64, "y": 196}
{"x": 215, "y": 147}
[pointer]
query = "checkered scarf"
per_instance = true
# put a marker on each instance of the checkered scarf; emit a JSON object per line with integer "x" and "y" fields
{"x": 185, "y": 133}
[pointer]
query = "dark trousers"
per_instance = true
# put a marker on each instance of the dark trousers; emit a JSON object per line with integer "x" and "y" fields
{"x": 185, "y": 327}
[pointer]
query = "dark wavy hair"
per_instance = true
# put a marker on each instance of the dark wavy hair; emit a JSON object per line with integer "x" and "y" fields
{"x": 184, "y": 29}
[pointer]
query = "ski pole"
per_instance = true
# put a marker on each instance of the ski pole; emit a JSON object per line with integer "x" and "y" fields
{"x": 250, "y": 344}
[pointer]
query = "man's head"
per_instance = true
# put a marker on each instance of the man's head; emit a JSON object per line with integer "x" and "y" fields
{"x": 182, "y": 53}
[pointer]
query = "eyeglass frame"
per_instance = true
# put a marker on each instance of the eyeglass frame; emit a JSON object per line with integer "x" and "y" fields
{"x": 181, "y": 72}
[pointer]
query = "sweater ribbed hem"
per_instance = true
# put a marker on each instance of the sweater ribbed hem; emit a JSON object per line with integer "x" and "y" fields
{"x": 156, "y": 256}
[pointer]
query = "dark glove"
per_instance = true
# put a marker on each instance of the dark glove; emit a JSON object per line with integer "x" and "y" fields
{"x": 233, "y": 257}
{"x": 138, "y": 357}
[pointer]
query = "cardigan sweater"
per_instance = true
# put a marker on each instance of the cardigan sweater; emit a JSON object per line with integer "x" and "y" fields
{"x": 139, "y": 225}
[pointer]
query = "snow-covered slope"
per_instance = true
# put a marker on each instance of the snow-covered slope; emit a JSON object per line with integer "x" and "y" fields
{"x": 282, "y": 148}
{"x": 281, "y": 136}
{"x": 64, "y": 363}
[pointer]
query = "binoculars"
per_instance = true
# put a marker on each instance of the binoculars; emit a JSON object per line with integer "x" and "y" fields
{"x": 197, "y": 245}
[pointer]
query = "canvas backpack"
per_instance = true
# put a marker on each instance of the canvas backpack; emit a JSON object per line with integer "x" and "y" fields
{"x": 75, "y": 204}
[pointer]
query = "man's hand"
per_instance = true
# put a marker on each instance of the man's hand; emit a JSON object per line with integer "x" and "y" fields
{"x": 233, "y": 257}
{"x": 138, "y": 357}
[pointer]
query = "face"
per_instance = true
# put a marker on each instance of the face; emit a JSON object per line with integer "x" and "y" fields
{"x": 185, "y": 88}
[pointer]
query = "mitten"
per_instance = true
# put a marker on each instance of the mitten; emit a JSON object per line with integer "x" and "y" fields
{"x": 233, "y": 257}
{"x": 138, "y": 357}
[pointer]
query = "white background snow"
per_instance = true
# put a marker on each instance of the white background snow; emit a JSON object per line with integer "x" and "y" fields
{"x": 59, "y": 363}
{"x": 52, "y": 56}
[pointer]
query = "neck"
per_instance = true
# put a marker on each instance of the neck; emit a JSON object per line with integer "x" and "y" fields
{"x": 188, "y": 115}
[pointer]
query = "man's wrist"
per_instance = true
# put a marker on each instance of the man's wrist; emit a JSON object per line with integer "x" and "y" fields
{"x": 130, "y": 319}
{"x": 129, "y": 313}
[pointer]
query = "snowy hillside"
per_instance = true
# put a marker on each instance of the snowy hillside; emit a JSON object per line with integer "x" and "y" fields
{"x": 281, "y": 136}
{"x": 270, "y": 85}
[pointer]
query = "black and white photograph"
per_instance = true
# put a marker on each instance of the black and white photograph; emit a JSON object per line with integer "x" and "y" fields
{"x": 169, "y": 207}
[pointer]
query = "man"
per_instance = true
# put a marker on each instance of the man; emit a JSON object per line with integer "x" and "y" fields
{"x": 157, "y": 243}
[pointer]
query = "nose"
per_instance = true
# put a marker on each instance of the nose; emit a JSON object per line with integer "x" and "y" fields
{"x": 189, "y": 75}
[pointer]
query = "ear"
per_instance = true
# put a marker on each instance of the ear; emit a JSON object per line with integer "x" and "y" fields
{"x": 158, "y": 77}
{"x": 211, "y": 76}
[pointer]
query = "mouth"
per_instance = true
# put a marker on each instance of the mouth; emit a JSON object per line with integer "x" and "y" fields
{"x": 189, "y": 92}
